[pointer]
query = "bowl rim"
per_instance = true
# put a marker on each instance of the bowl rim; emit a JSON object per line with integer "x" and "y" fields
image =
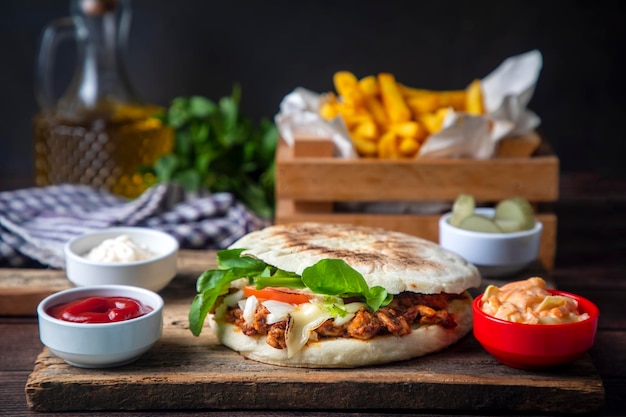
{"x": 74, "y": 256}
{"x": 444, "y": 222}
{"x": 590, "y": 308}
{"x": 85, "y": 291}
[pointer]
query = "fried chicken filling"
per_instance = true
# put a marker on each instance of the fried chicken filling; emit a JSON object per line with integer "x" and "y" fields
{"x": 406, "y": 310}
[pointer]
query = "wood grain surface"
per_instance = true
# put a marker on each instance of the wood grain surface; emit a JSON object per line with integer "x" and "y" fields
{"x": 186, "y": 372}
{"x": 304, "y": 173}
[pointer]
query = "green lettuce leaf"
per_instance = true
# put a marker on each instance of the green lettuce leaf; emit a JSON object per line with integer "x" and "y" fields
{"x": 336, "y": 277}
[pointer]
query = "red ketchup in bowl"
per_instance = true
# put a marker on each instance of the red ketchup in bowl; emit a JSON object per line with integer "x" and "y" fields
{"x": 99, "y": 310}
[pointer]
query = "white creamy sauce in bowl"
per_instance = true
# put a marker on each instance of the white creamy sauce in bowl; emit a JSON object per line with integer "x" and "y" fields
{"x": 119, "y": 249}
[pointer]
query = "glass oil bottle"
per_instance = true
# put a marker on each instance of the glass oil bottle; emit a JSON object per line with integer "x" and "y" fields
{"x": 98, "y": 132}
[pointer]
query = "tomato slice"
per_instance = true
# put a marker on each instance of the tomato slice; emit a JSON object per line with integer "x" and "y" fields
{"x": 285, "y": 295}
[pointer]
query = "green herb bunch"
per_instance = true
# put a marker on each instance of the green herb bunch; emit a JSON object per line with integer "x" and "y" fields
{"x": 218, "y": 149}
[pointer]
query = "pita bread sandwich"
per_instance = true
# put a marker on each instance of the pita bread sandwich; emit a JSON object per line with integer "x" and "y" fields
{"x": 334, "y": 296}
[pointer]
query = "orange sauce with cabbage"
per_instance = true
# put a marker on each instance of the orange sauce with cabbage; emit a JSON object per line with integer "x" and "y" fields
{"x": 529, "y": 302}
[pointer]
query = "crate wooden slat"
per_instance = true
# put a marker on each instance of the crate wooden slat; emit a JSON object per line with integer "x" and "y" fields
{"x": 309, "y": 181}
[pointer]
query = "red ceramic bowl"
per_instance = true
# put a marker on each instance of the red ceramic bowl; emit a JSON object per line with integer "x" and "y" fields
{"x": 536, "y": 346}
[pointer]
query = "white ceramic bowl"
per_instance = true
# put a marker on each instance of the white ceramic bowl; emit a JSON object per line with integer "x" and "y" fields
{"x": 494, "y": 254}
{"x": 101, "y": 345}
{"x": 153, "y": 274}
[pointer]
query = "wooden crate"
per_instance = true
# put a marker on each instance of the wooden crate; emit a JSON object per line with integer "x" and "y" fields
{"x": 309, "y": 181}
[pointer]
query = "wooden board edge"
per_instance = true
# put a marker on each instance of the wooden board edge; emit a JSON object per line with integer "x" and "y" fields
{"x": 279, "y": 393}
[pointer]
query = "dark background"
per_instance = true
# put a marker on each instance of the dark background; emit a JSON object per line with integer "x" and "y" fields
{"x": 198, "y": 47}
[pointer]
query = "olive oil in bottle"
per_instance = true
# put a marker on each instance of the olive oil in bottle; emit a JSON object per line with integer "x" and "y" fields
{"x": 106, "y": 154}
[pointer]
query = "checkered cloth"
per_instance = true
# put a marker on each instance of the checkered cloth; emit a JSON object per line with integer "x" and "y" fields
{"x": 35, "y": 223}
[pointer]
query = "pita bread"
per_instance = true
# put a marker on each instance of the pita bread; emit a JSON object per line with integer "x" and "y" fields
{"x": 350, "y": 353}
{"x": 396, "y": 261}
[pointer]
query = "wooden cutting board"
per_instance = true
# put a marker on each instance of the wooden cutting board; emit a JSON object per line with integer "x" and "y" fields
{"x": 186, "y": 372}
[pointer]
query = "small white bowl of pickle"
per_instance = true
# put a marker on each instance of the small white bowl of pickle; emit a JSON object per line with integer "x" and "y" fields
{"x": 499, "y": 241}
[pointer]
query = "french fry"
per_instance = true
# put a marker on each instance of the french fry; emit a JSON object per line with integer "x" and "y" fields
{"x": 329, "y": 107}
{"x": 433, "y": 121}
{"x": 474, "y": 98}
{"x": 377, "y": 110}
{"x": 364, "y": 147}
{"x": 453, "y": 98}
{"x": 423, "y": 103}
{"x": 408, "y": 146}
{"x": 347, "y": 86}
{"x": 409, "y": 129}
{"x": 329, "y": 111}
{"x": 352, "y": 115}
{"x": 412, "y": 92}
{"x": 428, "y": 101}
{"x": 369, "y": 86}
{"x": 397, "y": 110}
{"x": 388, "y": 145}
{"x": 367, "y": 130}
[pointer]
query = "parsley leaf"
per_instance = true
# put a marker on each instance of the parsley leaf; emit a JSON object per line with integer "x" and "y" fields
{"x": 218, "y": 149}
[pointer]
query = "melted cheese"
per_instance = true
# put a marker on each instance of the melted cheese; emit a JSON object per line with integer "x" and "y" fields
{"x": 303, "y": 320}
{"x": 529, "y": 302}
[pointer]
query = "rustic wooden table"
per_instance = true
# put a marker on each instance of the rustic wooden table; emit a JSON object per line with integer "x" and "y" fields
{"x": 591, "y": 258}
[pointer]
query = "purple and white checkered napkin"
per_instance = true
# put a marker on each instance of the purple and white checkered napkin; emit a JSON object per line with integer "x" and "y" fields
{"x": 35, "y": 223}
